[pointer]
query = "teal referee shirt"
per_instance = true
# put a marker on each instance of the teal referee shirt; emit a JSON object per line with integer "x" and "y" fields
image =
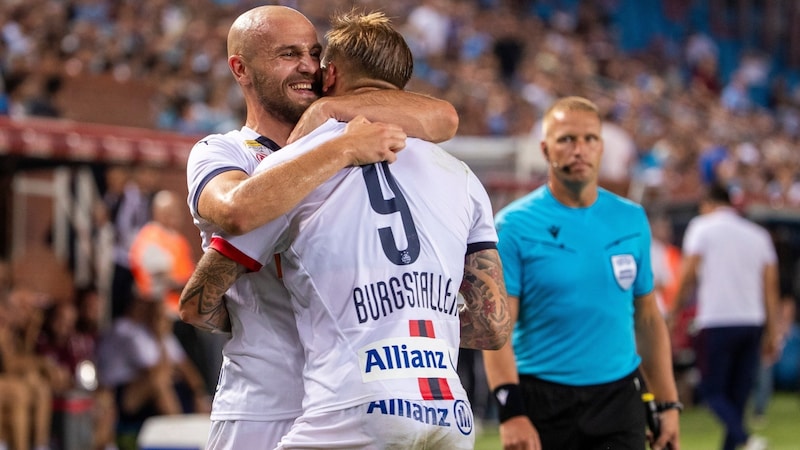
{"x": 576, "y": 272}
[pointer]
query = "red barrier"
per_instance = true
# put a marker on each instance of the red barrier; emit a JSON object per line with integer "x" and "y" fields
{"x": 69, "y": 141}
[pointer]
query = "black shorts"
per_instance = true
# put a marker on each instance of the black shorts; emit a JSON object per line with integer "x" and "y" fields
{"x": 604, "y": 416}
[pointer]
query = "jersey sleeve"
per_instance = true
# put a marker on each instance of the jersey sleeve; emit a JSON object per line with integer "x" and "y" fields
{"x": 209, "y": 158}
{"x": 254, "y": 249}
{"x": 643, "y": 284}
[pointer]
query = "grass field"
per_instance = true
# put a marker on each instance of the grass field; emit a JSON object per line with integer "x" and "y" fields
{"x": 701, "y": 431}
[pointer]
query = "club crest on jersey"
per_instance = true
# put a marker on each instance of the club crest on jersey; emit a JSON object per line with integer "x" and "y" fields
{"x": 257, "y": 148}
{"x": 624, "y": 270}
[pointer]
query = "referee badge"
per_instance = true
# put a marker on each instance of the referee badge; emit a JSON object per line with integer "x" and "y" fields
{"x": 624, "y": 270}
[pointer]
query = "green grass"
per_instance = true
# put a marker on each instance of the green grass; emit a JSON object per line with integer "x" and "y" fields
{"x": 701, "y": 431}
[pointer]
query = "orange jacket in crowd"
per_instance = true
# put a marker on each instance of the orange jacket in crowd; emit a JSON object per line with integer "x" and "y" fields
{"x": 162, "y": 262}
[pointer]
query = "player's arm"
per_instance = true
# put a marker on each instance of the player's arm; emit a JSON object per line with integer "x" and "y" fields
{"x": 238, "y": 203}
{"x": 688, "y": 280}
{"x": 485, "y": 321}
{"x": 653, "y": 344}
{"x": 202, "y": 301}
{"x": 772, "y": 338}
{"x": 419, "y": 115}
{"x": 516, "y": 430}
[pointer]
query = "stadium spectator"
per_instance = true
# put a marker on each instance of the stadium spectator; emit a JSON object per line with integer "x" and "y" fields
{"x": 130, "y": 210}
{"x": 21, "y": 325}
{"x": 142, "y": 363}
{"x": 161, "y": 262}
{"x": 645, "y": 72}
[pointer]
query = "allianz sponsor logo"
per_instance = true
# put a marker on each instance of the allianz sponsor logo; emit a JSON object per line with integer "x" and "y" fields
{"x": 407, "y": 357}
{"x": 436, "y": 415}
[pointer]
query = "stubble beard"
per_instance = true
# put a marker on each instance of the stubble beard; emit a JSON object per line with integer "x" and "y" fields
{"x": 274, "y": 100}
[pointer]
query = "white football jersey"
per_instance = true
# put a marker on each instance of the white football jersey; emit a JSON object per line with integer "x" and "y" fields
{"x": 261, "y": 376}
{"x": 374, "y": 259}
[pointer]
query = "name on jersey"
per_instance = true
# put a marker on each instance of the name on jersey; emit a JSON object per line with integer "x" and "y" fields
{"x": 407, "y": 357}
{"x": 412, "y": 410}
{"x": 410, "y": 290}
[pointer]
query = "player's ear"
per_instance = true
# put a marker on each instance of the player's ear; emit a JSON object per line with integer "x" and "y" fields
{"x": 545, "y": 152}
{"x": 329, "y": 73}
{"x": 238, "y": 68}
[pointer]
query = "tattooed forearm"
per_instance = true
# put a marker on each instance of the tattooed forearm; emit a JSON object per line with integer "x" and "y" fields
{"x": 485, "y": 319}
{"x": 203, "y": 299}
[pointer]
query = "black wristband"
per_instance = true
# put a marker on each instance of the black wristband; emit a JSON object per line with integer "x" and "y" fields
{"x": 664, "y": 406}
{"x": 509, "y": 400}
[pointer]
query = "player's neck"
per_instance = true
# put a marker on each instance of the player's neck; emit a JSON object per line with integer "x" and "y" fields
{"x": 265, "y": 125}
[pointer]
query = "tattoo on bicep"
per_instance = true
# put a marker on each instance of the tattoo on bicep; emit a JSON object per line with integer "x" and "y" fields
{"x": 485, "y": 319}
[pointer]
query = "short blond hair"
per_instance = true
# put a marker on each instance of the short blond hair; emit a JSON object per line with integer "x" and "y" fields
{"x": 369, "y": 47}
{"x": 566, "y": 104}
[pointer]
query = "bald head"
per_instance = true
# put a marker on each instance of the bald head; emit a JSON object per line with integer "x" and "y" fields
{"x": 565, "y": 105}
{"x": 251, "y": 28}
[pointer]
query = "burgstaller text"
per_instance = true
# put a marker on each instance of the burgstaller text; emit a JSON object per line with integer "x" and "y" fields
{"x": 410, "y": 290}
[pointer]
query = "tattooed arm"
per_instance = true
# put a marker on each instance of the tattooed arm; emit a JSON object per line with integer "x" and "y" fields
{"x": 203, "y": 298}
{"x": 485, "y": 319}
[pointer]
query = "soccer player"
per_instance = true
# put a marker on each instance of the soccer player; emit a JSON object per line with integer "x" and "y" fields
{"x": 274, "y": 57}
{"x": 374, "y": 260}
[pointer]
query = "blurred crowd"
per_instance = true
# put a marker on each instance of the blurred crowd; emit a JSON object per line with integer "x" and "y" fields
{"x": 699, "y": 89}
{"x": 84, "y": 364}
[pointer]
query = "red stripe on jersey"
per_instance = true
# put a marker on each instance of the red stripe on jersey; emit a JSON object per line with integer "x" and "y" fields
{"x": 429, "y": 329}
{"x": 423, "y": 328}
{"x": 434, "y": 389}
{"x": 425, "y": 389}
{"x": 445, "y": 388}
{"x": 278, "y": 268}
{"x": 226, "y": 249}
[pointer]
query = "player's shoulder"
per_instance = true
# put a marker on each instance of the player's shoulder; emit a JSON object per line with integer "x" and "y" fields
{"x": 241, "y": 147}
{"x": 433, "y": 154}
{"x": 233, "y": 138}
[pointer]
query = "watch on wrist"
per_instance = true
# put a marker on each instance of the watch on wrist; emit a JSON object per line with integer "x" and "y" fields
{"x": 665, "y": 406}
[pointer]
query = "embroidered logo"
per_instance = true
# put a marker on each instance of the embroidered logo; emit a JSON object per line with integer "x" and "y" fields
{"x": 258, "y": 149}
{"x": 624, "y": 270}
{"x": 554, "y": 230}
{"x": 253, "y": 144}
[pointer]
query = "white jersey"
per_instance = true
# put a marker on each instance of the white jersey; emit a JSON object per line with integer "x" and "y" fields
{"x": 374, "y": 259}
{"x": 734, "y": 252}
{"x": 261, "y": 376}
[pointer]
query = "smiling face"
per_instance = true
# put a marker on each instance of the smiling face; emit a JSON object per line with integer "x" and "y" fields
{"x": 573, "y": 147}
{"x": 279, "y": 50}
